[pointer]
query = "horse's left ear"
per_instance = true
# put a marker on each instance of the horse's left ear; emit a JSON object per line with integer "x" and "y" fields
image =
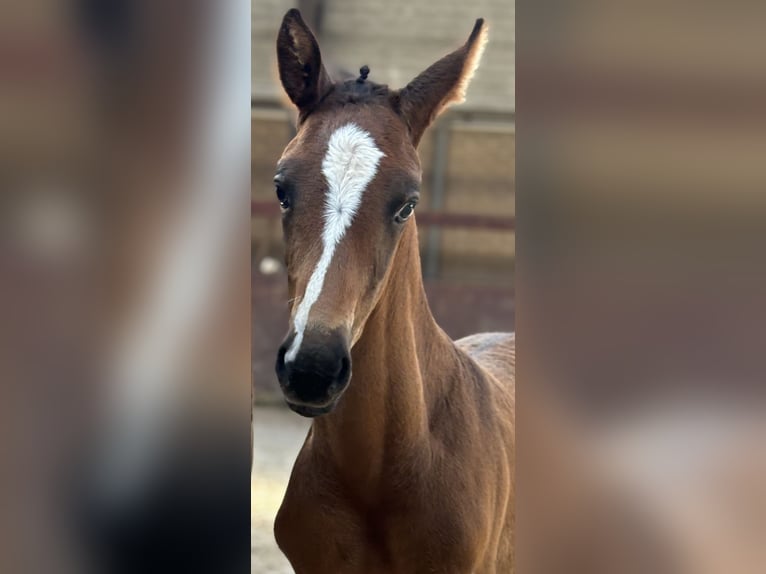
{"x": 442, "y": 84}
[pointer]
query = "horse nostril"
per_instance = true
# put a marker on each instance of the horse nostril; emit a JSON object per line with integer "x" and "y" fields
{"x": 345, "y": 367}
{"x": 280, "y": 367}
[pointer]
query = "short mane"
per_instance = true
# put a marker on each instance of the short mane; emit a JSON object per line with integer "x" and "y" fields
{"x": 356, "y": 92}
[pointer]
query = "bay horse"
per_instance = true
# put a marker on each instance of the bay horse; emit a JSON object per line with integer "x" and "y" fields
{"x": 408, "y": 465}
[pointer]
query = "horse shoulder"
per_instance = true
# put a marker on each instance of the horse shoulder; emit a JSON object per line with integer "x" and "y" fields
{"x": 495, "y": 356}
{"x": 314, "y": 527}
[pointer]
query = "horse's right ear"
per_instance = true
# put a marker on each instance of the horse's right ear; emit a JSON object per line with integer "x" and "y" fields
{"x": 303, "y": 76}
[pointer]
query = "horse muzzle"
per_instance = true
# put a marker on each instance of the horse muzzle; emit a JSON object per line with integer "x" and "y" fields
{"x": 314, "y": 380}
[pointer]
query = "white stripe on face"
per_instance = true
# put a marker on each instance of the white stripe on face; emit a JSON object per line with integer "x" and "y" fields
{"x": 349, "y": 165}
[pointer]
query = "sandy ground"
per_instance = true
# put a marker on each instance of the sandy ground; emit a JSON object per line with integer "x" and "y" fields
{"x": 277, "y": 438}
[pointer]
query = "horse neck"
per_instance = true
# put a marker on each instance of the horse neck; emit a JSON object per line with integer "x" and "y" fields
{"x": 400, "y": 365}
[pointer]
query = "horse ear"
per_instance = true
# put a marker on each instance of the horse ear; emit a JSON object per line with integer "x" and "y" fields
{"x": 442, "y": 84}
{"x": 303, "y": 76}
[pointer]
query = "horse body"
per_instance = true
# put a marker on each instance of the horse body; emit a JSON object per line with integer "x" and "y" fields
{"x": 413, "y": 470}
{"x": 409, "y": 466}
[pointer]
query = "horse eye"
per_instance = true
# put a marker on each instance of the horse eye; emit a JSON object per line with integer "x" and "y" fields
{"x": 405, "y": 212}
{"x": 282, "y": 197}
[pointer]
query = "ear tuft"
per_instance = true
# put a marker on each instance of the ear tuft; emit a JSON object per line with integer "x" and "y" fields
{"x": 444, "y": 83}
{"x": 475, "y": 45}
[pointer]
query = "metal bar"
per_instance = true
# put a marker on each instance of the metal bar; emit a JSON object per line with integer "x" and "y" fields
{"x": 466, "y": 220}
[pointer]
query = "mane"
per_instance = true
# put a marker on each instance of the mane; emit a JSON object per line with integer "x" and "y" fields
{"x": 358, "y": 91}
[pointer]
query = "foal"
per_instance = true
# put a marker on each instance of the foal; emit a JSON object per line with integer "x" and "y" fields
{"x": 408, "y": 466}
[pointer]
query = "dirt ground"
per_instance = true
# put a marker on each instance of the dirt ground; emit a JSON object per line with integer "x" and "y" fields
{"x": 277, "y": 438}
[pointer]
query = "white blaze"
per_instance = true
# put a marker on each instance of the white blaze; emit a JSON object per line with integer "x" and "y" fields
{"x": 349, "y": 165}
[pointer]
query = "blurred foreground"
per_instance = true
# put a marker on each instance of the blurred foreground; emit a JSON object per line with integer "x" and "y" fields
{"x": 640, "y": 288}
{"x": 124, "y": 286}
{"x": 125, "y": 283}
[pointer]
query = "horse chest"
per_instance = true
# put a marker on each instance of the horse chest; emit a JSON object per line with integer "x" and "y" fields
{"x": 324, "y": 533}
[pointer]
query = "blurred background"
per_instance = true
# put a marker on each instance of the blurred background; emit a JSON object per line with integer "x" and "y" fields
{"x": 465, "y": 217}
